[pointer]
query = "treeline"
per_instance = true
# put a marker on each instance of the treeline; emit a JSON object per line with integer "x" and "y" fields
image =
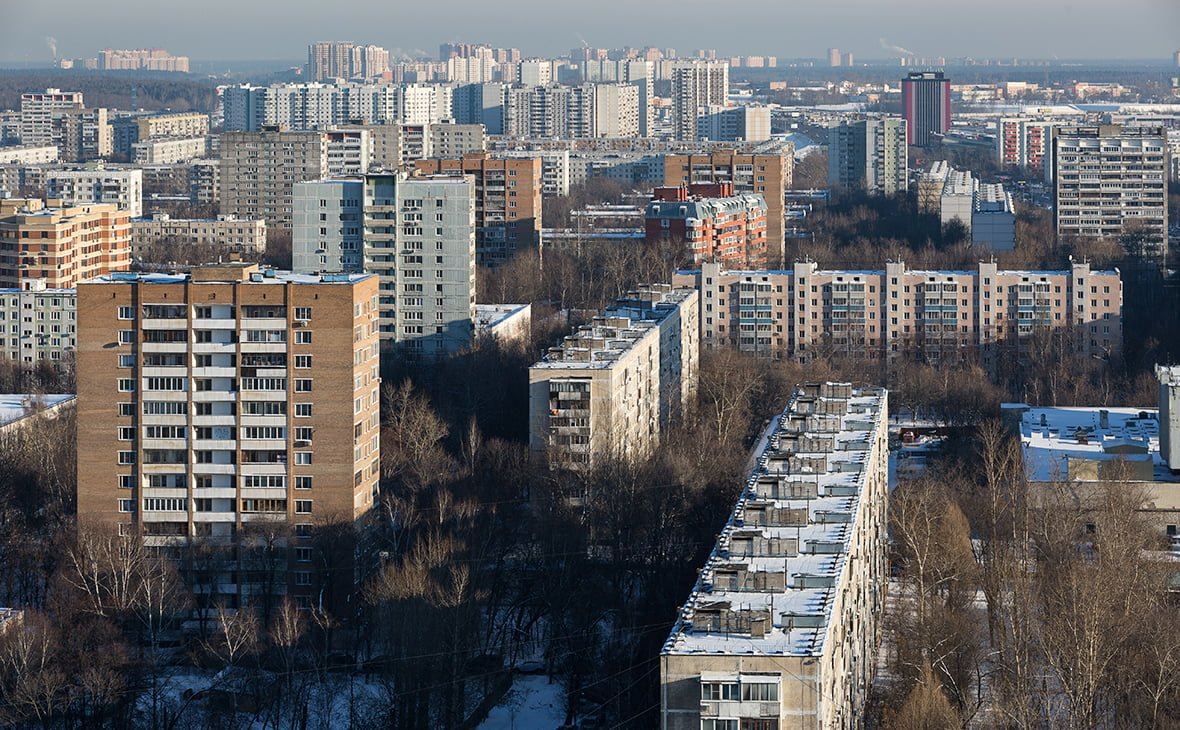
{"x": 1026, "y": 605}
{"x": 153, "y": 91}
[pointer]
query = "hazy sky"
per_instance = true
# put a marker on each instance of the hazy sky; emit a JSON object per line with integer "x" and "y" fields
{"x": 256, "y": 30}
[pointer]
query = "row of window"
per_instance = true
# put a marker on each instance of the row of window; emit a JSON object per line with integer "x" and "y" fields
{"x": 248, "y": 408}
{"x": 246, "y": 506}
{"x": 180, "y": 311}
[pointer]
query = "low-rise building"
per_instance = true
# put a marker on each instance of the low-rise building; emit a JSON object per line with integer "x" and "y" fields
{"x": 783, "y": 624}
{"x": 993, "y": 218}
{"x": 506, "y": 324}
{"x": 18, "y": 410}
{"x": 224, "y": 233}
{"x": 609, "y": 389}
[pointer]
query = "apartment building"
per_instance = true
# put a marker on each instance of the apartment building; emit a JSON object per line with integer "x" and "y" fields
{"x": 609, "y": 389}
{"x": 456, "y": 140}
{"x": 129, "y": 130}
{"x": 169, "y": 150}
{"x": 83, "y": 135}
{"x": 696, "y": 84}
{"x": 78, "y": 187}
{"x": 1023, "y": 143}
{"x": 322, "y": 106}
{"x": 508, "y": 202}
{"x": 993, "y": 218}
{"x": 350, "y": 152}
{"x": 328, "y": 226}
{"x": 204, "y": 181}
{"x": 713, "y": 224}
{"x": 141, "y": 59}
{"x": 38, "y": 110}
{"x": 899, "y": 312}
{"x": 224, "y": 233}
{"x": 555, "y": 169}
{"x": 61, "y": 244}
{"x": 1110, "y": 180}
{"x": 28, "y": 155}
{"x": 768, "y": 175}
{"x": 420, "y": 238}
{"x": 225, "y": 405}
{"x": 259, "y": 169}
{"x": 870, "y": 154}
{"x": 37, "y": 324}
{"x": 734, "y": 124}
{"x": 782, "y": 627}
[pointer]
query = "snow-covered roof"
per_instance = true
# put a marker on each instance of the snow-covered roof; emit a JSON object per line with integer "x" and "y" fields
{"x": 791, "y": 583}
{"x": 15, "y": 406}
{"x": 1053, "y": 437}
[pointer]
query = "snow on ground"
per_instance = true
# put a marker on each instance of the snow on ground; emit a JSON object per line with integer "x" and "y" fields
{"x": 533, "y": 703}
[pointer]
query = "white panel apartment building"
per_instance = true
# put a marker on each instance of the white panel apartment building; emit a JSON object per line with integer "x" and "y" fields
{"x": 611, "y": 387}
{"x": 37, "y": 324}
{"x": 327, "y": 227}
{"x": 320, "y": 106}
{"x": 85, "y": 187}
{"x": 782, "y": 627}
{"x": 38, "y": 110}
{"x": 169, "y": 150}
{"x": 226, "y": 233}
{"x": 1106, "y": 177}
{"x": 695, "y": 85}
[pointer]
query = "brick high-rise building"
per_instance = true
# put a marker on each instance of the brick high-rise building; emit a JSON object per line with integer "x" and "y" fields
{"x": 259, "y": 170}
{"x": 765, "y": 175}
{"x": 61, "y": 245}
{"x": 508, "y": 202}
{"x": 711, "y": 223}
{"x": 232, "y": 403}
{"x": 926, "y": 106}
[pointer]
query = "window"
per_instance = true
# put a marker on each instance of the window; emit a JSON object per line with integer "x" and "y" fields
{"x": 303, "y": 482}
{"x": 303, "y": 555}
{"x": 165, "y": 504}
{"x": 264, "y": 481}
{"x": 126, "y": 409}
{"x": 302, "y": 362}
{"x": 126, "y": 361}
{"x": 719, "y": 691}
{"x": 126, "y": 337}
{"x": 303, "y": 529}
{"x": 303, "y": 506}
{"x": 126, "y": 457}
{"x": 126, "y": 481}
{"x": 303, "y": 337}
{"x": 303, "y": 458}
{"x": 302, "y": 578}
{"x": 303, "y": 313}
{"x": 126, "y": 505}
{"x": 303, "y": 410}
{"x": 126, "y": 433}
{"x": 126, "y": 385}
{"x": 126, "y": 312}
{"x": 763, "y": 692}
{"x": 303, "y": 385}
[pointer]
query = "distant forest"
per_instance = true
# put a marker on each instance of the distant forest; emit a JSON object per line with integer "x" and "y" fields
{"x": 154, "y": 91}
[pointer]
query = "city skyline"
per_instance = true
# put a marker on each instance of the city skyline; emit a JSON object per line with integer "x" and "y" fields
{"x": 1141, "y": 29}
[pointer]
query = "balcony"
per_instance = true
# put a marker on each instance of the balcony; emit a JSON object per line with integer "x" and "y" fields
{"x": 150, "y": 347}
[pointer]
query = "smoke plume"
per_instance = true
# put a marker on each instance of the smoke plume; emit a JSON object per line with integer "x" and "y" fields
{"x": 896, "y": 49}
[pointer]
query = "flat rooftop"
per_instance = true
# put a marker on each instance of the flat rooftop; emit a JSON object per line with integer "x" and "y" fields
{"x": 1051, "y": 437}
{"x": 229, "y": 273}
{"x": 490, "y": 315}
{"x": 811, "y": 475}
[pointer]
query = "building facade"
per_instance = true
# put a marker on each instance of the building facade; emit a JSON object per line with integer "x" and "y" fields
{"x": 713, "y": 224}
{"x": 765, "y": 175}
{"x": 123, "y": 188}
{"x": 61, "y": 245}
{"x": 898, "y": 312}
{"x": 221, "y": 407}
{"x": 782, "y": 627}
{"x": 608, "y": 390}
{"x": 696, "y": 85}
{"x": 1109, "y": 181}
{"x": 169, "y": 150}
{"x": 870, "y": 154}
{"x": 37, "y": 324}
{"x": 926, "y": 106}
{"x": 508, "y": 202}
{"x": 39, "y": 110}
{"x": 1023, "y": 143}
{"x": 221, "y": 234}
{"x": 259, "y": 170}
